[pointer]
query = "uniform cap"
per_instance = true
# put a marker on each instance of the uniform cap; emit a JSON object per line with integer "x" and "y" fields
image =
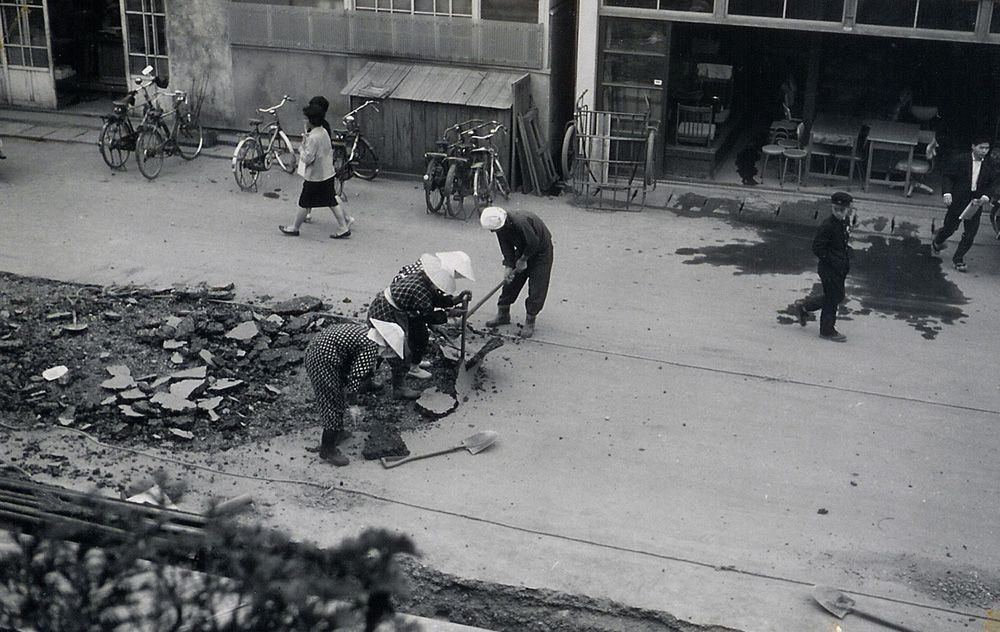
{"x": 841, "y": 198}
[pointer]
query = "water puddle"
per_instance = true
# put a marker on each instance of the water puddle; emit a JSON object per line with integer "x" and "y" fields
{"x": 894, "y": 277}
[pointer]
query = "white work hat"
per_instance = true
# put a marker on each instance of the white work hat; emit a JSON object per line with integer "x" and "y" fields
{"x": 386, "y": 334}
{"x": 442, "y": 278}
{"x": 493, "y": 217}
{"x": 458, "y": 262}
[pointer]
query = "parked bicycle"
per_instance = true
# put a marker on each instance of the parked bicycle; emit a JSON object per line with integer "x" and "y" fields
{"x": 436, "y": 171}
{"x": 473, "y": 162}
{"x": 118, "y": 135}
{"x": 184, "y": 137}
{"x": 260, "y": 149}
{"x": 353, "y": 154}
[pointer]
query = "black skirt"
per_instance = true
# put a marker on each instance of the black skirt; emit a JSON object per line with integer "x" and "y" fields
{"x": 316, "y": 194}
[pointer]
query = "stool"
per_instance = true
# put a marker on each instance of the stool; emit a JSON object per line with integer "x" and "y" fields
{"x": 770, "y": 150}
{"x": 790, "y": 154}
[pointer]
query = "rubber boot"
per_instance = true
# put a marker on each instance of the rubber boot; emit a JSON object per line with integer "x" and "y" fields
{"x": 369, "y": 385}
{"x": 399, "y": 388}
{"x": 529, "y": 326}
{"x": 502, "y": 317}
{"x": 328, "y": 450}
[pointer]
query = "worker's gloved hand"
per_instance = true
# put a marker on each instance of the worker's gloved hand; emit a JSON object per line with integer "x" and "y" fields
{"x": 508, "y": 274}
{"x": 984, "y": 199}
{"x": 947, "y": 199}
{"x": 355, "y": 413}
{"x": 521, "y": 265}
{"x": 465, "y": 295}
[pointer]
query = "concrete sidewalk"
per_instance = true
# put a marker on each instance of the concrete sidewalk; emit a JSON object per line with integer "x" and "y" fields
{"x": 671, "y": 439}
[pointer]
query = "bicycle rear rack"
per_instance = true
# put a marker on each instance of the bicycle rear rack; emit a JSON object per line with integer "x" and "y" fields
{"x": 609, "y": 169}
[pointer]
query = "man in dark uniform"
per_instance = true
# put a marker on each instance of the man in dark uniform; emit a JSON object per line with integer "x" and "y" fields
{"x": 832, "y": 249}
{"x": 526, "y": 245}
{"x": 966, "y": 178}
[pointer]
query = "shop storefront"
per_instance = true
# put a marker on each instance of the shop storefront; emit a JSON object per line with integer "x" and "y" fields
{"x": 718, "y": 74}
{"x": 56, "y": 52}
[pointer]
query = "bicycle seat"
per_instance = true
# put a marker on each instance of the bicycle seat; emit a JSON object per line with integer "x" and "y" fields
{"x": 255, "y": 121}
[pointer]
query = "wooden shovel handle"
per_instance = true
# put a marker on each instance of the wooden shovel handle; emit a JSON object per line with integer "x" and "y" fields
{"x": 881, "y": 621}
{"x": 389, "y": 462}
{"x": 485, "y": 298}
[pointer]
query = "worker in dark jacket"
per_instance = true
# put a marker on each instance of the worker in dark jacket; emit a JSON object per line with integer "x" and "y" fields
{"x": 832, "y": 249}
{"x": 526, "y": 245}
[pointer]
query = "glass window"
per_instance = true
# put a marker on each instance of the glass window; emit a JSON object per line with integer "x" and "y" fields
{"x": 700, "y": 6}
{"x": 947, "y": 15}
{"x": 23, "y": 28}
{"x": 995, "y": 20}
{"x": 510, "y": 10}
{"x": 819, "y": 10}
{"x": 447, "y": 8}
{"x": 887, "y": 12}
{"x": 759, "y": 8}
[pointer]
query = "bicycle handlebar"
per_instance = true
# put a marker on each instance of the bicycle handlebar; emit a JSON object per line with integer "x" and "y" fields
{"x": 350, "y": 115}
{"x": 274, "y": 108}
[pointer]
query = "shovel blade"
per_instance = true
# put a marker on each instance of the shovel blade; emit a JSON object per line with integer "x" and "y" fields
{"x": 833, "y": 601}
{"x": 479, "y": 441}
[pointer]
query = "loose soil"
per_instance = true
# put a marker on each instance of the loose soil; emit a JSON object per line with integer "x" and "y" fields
{"x": 182, "y": 370}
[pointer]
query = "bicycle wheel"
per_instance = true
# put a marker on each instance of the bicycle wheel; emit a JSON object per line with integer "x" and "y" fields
{"x": 149, "y": 150}
{"x": 454, "y": 191}
{"x": 365, "y": 163}
{"x": 284, "y": 152}
{"x": 482, "y": 189}
{"x": 190, "y": 136}
{"x": 113, "y": 148}
{"x": 500, "y": 179}
{"x": 433, "y": 186}
{"x": 341, "y": 170}
{"x": 247, "y": 162}
{"x": 568, "y": 151}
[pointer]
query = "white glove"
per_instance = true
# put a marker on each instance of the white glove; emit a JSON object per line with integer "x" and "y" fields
{"x": 947, "y": 199}
{"x": 355, "y": 413}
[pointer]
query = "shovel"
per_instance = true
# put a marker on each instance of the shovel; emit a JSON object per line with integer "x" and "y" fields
{"x": 474, "y": 444}
{"x": 839, "y": 605}
{"x": 485, "y": 298}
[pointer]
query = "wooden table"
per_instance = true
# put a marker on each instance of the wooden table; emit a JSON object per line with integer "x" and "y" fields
{"x": 836, "y": 136}
{"x": 890, "y": 136}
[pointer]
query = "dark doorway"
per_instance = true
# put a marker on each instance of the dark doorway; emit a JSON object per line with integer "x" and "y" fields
{"x": 88, "y": 52}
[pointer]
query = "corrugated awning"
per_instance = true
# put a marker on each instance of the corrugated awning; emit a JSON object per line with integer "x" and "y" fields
{"x": 433, "y": 84}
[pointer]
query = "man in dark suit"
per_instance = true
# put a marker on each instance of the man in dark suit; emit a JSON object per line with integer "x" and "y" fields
{"x": 966, "y": 178}
{"x": 833, "y": 250}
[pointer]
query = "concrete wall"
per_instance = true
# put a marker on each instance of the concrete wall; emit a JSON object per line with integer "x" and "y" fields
{"x": 200, "y": 59}
{"x": 261, "y": 76}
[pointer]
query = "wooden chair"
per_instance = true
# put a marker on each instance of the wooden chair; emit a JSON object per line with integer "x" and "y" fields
{"x": 695, "y": 125}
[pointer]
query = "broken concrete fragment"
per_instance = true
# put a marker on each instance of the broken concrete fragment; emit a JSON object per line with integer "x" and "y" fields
{"x": 128, "y": 411}
{"x": 119, "y": 369}
{"x": 119, "y": 382}
{"x": 276, "y": 319}
{"x": 207, "y": 357}
{"x": 173, "y": 343}
{"x": 211, "y": 403}
{"x": 244, "y": 331}
{"x": 132, "y": 395}
{"x": 435, "y": 403}
{"x": 177, "y": 358}
{"x": 171, "y": 402}
{"x": 225, "y": 384}
{"x": 174, "y": 321}
{"x": 185, "y": 388}
{"x": 107, "y": 401}
{"x": 55, "y": 372}
{"x": 273, "y": 389}
{"x": 59, "y": 316}
{"x": 298, "y": 306}
{"x": 195, "y": 373}
{"x": 181, "y": 434}
{"x": 112, "y": 316}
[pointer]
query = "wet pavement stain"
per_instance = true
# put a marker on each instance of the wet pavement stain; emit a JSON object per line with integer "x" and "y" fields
{"x": 892, "y": 277}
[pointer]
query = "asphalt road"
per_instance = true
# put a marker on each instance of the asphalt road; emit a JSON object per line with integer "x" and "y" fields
{"x": 670, "y": 439}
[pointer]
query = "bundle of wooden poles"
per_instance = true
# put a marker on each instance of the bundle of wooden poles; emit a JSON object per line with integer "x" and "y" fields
{"x": 30, "y": 507}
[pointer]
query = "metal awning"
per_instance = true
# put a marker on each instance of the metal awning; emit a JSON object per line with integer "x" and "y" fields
{"x": 433, "y": 84}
